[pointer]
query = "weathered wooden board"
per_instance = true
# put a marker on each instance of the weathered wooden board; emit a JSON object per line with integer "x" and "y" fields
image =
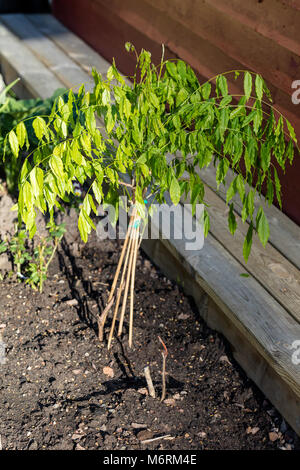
{"x": 66, "y": 70}
{"x": 274, "y": 272}
{"x": 78, "y": 50}
{"x": 284, "y": 233}
{"x": 18, "y": 61}
{"x": 260, "y": 330}
{"x": 267, "y": 265}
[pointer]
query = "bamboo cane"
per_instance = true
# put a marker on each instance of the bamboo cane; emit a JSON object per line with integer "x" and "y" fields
{"x": 119, "y": 293}
{"x": 127, "y": 282}
{"x": 135, "y": 250}
{"x": 113, "y": 287}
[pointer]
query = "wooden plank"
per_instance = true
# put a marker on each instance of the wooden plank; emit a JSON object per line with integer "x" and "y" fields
{"x": 244, "y": 313}
{"x": 237, "y": 40}
{"x": 66, "y": 70}
{"x": 284, "y": 233}
{"x": 270, "y": 268}
{"x": 268, "y": 19}
{"x": 17, "y": 61}
{"x": 71, "y": 44}
{"x": 244, "y": 300}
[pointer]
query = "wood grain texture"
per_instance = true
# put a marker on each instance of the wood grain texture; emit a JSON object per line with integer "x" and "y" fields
{"x": 273, "y": 380}
{"x": 284, "y": 233}
{"x": 267, "y": 265}
{"x": 56, "y": 60}
{"x": 18, "y": 61}
{"x": 78, "y": 50}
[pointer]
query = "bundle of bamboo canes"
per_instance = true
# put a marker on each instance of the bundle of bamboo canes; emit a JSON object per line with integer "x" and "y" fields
{"x": 126, "y": 264}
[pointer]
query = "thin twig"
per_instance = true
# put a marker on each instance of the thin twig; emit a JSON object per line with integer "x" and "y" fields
{"x": 102, "y": 318}
{"x": 166, "y": 436}
{"x": 164, "y": 356}
{"x": 149, "y": 382}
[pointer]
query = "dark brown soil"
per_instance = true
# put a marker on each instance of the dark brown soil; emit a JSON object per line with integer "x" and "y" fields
{"x": 61, "y": 389}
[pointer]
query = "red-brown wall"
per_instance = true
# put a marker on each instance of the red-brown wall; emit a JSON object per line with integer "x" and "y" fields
{"x": 213, "y": 36}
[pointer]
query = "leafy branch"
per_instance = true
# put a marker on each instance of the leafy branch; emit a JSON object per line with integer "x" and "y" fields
{"x": 165, "y": 111}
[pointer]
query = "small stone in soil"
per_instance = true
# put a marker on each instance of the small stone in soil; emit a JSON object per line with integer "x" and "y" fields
{"x": 138, "y": 425}
{"x": 253, "y": 431}
{"x": 169, "y": 401}
{"x": 145, "y": 434}
{"x": 72, "y": 302}
{"x": 108, "y": 371}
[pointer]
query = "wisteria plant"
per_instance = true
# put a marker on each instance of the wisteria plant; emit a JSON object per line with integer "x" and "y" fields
{"x": 120, "y": 136}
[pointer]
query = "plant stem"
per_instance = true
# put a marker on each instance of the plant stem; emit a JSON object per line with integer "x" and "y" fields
{"x": 163, "y": 394}
{"x": 102, "y": 319}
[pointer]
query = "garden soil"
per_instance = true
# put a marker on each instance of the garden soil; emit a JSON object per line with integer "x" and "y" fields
{"x": 60, "y": 388}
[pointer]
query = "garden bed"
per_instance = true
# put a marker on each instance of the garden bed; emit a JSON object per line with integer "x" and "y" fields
{"x": 62, "y": 389}
{"x": 259, "y": 317}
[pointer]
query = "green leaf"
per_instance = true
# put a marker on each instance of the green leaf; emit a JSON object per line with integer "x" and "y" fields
{"x": 205, "y": 90}
{"x": 262, "y": 227}
{"x": 231, "y": 190}
{"x": 175, "y": 191}
{"x": 222, "y": 86}
{"x": 97, "y": 192}
{"x": 128, "y": 46}
{"x": 181, "y": 68}
{"x": 247, "y": 85}
{"x": 277, "y": 187}
{"x": 240, "y": 184}
{"x": 39, "y": 126}
{"x": 21, "y": 133}
{"x": 291, "y": 131}
{"x": 172, "y": 69}
{"x": 13, "y": 142}
{"x": 248, "y": 243}
{"x": 259, "y": 85}
{"x": 56, "y": 166}
{"x": 224, "y": 118}
{"x": 126, "y": 107}
{"x": 181, "y": 96}
{"x": 232, "y": 224}
{"x": 265, "y": 155}
{"x": 83, "y": 227}
{"x": 206, "y": 223}
{"x": 154, "y": 100}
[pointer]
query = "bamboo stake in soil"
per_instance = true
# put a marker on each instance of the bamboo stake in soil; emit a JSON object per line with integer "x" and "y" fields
{"x": 128, "y": 266}
{"x": 120, "y": 293}
{"x": 120, "y": 262}
{"x": 149, "y": 382}
{"x": 135, "y": 249}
